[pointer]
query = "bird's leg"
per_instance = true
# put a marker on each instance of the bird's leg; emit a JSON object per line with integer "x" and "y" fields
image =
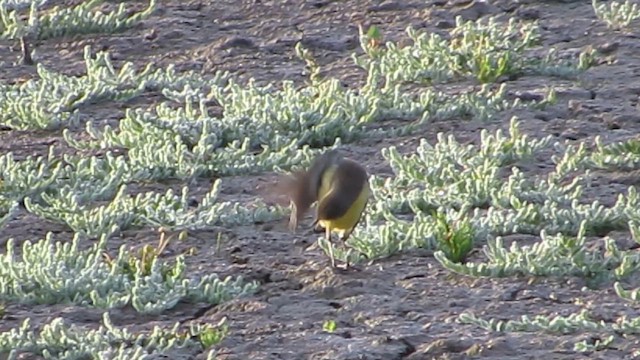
{"x": 346, "y": 235}
{"x": 344, "y": 238}
{"x": 327, "y": 236}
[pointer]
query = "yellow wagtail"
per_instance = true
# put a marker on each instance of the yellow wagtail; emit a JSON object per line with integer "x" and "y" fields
{"x": 341, "y": 188}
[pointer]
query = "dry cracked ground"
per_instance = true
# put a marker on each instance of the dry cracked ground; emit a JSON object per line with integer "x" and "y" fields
{"x": 403, "y": 307}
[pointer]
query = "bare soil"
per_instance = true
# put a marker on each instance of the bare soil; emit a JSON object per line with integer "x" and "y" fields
{"x": 403, "y": 307}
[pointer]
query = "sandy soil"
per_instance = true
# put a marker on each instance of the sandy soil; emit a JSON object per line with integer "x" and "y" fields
{"x": 403, "y": 307}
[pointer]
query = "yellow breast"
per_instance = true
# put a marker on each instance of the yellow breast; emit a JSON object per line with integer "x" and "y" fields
{"x": 351, "y": 217}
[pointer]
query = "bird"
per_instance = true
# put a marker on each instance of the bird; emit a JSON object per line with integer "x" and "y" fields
{"x": 340, "y": 186}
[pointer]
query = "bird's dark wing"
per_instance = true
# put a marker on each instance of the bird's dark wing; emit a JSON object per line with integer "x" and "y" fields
{"x": 349, "y": 181}
{"x": 332, "y": 207}
{"x": 318, "y": 167}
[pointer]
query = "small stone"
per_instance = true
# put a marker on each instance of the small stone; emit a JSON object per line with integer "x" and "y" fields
{"x": 626, "y": 118}
{"x": 476, "y": 10}
{"x": 340, "y": 43}
{"x": 151, "y": 35}
{"x": 277, "y": 276}
{"x": 529, "y": 96}
{"x": 318, "y": 4}
{"x": 445, "y": 24}
{"x": 474, "y": 350}
{"x": 386, "y": 6}
{"x": 608, "y": 47}
{"x": 237, "y": 42}
{"x": 571, "y": 134}
{"x": 528, "y": 13}
{"x": 575, "y": 93}
{"x": 574, "y": 105}
{"x": 542, "y": 115}
{"x": 612, "y": 125}
{"x": 511, "y": 294}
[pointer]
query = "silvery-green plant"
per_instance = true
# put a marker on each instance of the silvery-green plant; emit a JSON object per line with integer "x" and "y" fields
{"x": 48, "y": 272}
{"x": 61, "y": 21}
{"x": 454, "y": 239}
{"x": 52, "y": 100}
{"x": 343, "y": 252}
{"x": 557, "y": 255}
{"x": 597, "y": 345}
{"x": 616, "y": 14}
{"x": 452, "y": 190}
{"x": 630, "y": 295}
{"x": 168, "y": 210}
{"x": 29, "y": 176}
{"x": 263, "y": 117}
{"x": 174, "y": 145}
{"x": 262, "y": 128}
{"x": 374, "y": 240}
{"x": 8, "y": 209}
{"x": 454, "y": 175}
{"x": 619, "y": 155}
{"x": 312, "y": 65}
{"x": 554, "y": 217}
{"x": 21, "y": 4}
{"x": 61, "y": 340}
{"x": 489, "y": 185}
{"x": 313, "y": 115}
{"x": 485, "y": 50}
{"x": 558, "y": 324}
{"x": 92, "y": 179}
{"x": 276, "y": 120}
{"x": 187, "y": 142}
{"x": 574, "y": 323}
{"x": 23, "y": 178}
{"x": 210, "y": 335}
{"x": 153, "y": 159}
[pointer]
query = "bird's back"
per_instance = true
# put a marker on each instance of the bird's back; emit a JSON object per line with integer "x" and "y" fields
{"x": 343, "y": 195}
